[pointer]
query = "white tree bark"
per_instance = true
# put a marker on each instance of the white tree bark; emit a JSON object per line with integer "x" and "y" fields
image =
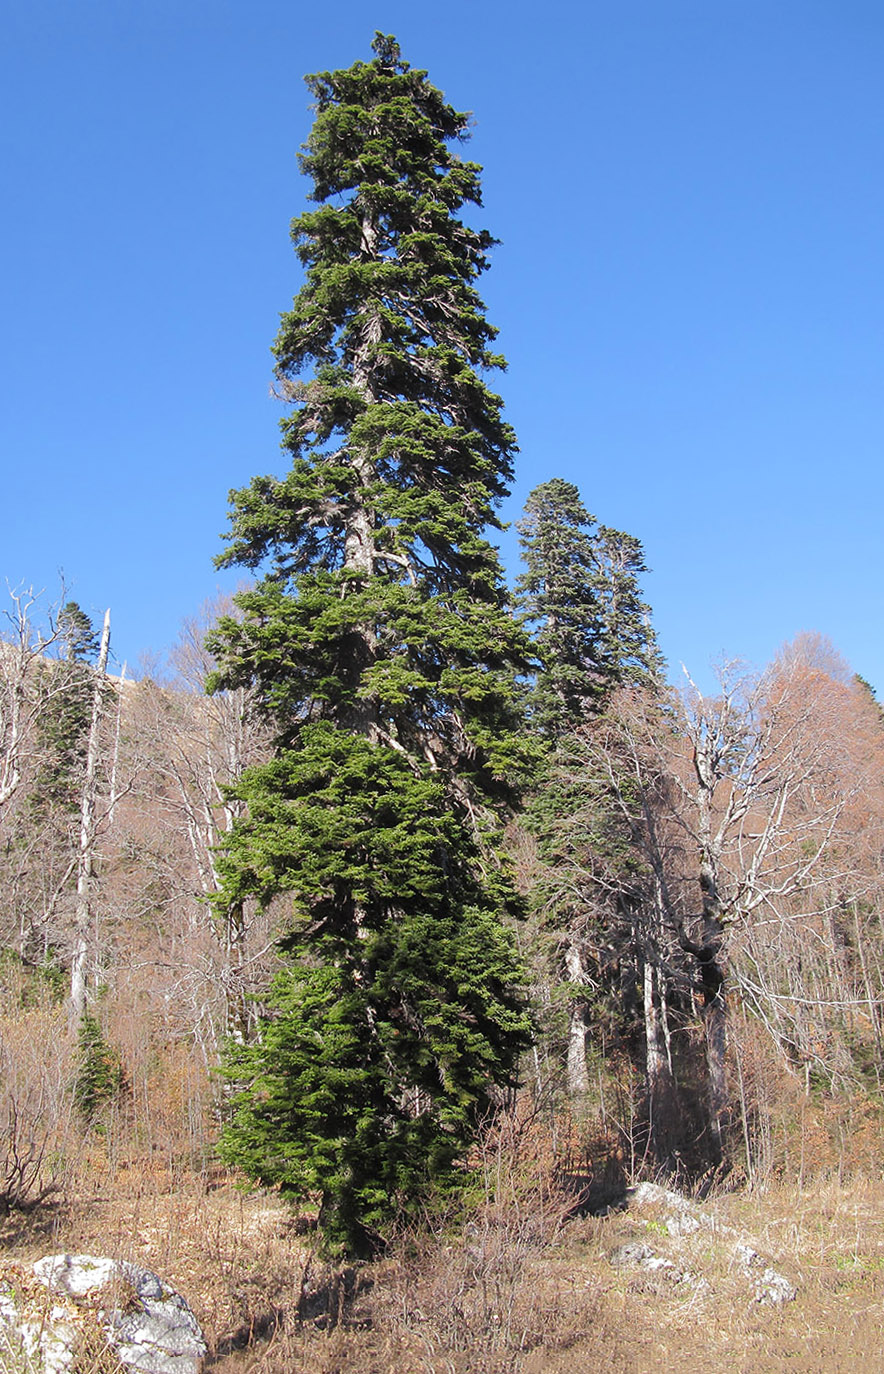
{"x": 86, "y": 854}
{"x": 578, "y": 1078}
{"x": 657, "y": 1067}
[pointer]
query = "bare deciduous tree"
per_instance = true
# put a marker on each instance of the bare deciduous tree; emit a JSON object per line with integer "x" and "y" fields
{"x": 741, "y": 797}
{"x": 24, "y": 693}
{"x": 198, "y": 745}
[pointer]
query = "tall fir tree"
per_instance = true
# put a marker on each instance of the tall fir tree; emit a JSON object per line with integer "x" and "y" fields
{"x": 580, "y": 590}
{"x": 593, "y": 634}
{"x": 379, "y": 640}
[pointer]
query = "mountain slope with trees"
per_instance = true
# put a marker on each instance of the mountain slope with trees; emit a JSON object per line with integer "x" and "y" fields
{"x": 263, "y": 914}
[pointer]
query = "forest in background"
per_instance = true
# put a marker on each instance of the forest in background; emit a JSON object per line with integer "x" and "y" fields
{"x": 394, "y": 870}
{"x": 673, "y": 843}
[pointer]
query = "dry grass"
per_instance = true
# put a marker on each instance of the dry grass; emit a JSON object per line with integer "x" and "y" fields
{"x": 515, "y": 1289}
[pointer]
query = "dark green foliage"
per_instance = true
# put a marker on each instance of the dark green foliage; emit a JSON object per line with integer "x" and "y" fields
{"x": 586, "y": 883}
{"x": 66, "y": 686}
{"x": 593, "y": 893}
{"x": 99, "y": 1076}
{"x": 26, "y": 984}
{"x": 581, "y": 592}
{"x": 397, "y": 1008}
{"x": 77, "y": 634}
{"x": 868, "y": 693}
{"x": 380, "y": 644}
{"x": 592, "y": 634}
{"x": 384, "y": 604}
{"x": 62, "y": 734}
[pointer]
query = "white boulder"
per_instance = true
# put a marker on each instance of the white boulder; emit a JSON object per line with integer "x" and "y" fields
{"x": 64, "y": 1303}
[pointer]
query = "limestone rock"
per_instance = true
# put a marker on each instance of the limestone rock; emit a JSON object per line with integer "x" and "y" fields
{"x": 120, "y": 1313}
{"x": 684, "y": 1224}
{"x": 773, "y": 1289}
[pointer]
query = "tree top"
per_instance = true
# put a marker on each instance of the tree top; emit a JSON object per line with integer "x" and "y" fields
{"x": 388, "y": 52}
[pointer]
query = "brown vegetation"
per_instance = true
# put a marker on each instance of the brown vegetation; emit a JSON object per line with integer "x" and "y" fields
{"x": 782, "y": 846}
{"x": 516, "y": 1282}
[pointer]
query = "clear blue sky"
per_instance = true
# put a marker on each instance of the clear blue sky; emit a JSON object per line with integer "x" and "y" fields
{"x": 691, "y": 206}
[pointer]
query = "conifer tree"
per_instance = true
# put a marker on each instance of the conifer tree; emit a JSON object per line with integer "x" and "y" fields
{"x": 63, "y": 724}
{"x": 378, "y": 639}
{"x": 593, "y": 634}
{"x": 581, "y": 591}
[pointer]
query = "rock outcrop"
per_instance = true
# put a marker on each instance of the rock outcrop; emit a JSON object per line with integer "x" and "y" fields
{"x": 680, "y": 1223}
{"x": 65, "y": 1308}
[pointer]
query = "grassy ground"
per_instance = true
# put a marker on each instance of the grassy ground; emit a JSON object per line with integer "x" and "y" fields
{"x": 514, "y": 1290}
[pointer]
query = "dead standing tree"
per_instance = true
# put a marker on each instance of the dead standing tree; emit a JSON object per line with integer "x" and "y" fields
{"x": 88, "y": 832}
{"x": 24, "y": 692}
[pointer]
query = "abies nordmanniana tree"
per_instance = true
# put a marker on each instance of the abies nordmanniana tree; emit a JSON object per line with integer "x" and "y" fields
{"x": 379, "y": 641}
{"x": 593, "y": 634}
{"x": 581, "y": 591}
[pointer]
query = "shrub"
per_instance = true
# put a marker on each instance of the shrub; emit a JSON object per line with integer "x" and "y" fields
{"x": 36, "y": 1053}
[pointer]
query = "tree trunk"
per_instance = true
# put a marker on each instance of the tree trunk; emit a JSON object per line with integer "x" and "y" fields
{"x": 715, "y": 1020}
{"x": 712, "y": 972}
{"x": 86, "y": 856}
{"x": 236, "y": 1005}
{"x": 578, "y": 1078}
{"x": 709, "y": 951}
{"x": 662, "y": 1100}
{"x": 712, "y": 975}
